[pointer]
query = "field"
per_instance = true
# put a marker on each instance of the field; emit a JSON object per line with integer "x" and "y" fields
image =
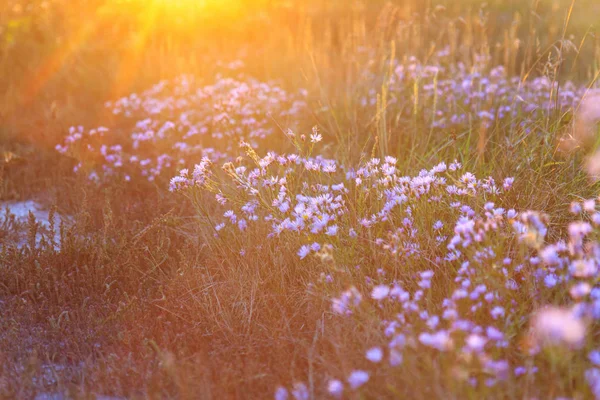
{"x": 352, "y": 199}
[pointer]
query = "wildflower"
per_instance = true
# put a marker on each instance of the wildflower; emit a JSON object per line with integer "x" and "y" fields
{"x": 450, "y": 314}
{"x": 426, "y": 274}
{"x": 579, "y": 229}
{"x": 335, "y": 388}
{"x": 433, "y": 322}
{"x": 358, "y": 378}
{"x": 520, "y": 371}
{"x": 455, "y": 166}
{"x": 555, "y": 325}
{"x": 580, "y": 290}
{"x": 396, "y": 358}
{"x": 583, "y": 268}
{"x": 592, "y": 376}
{"x": 178, "y": 183}
{"x": 550, "y": 255}
{"x": 332, "y": 230}
{"x": 497, "y": 312}
{"x": 550, "y": 280}
{"x": 374, "y": 354}
{"x": 425, "y": 284}
{"x": 281, "y": 393}
{"x": 475, "y": 343}
{"x": 594, "y": 357}
{"x": 499, "y": 368}
{"x": 589, "y": 205}
{"x": 575, "y": 207}
{"x": 300, "y": 391}
{"x": 439, "y": 340}
{"x": 316, "y": 137}
{"x": 304, "y": 251}
{"x": 350, "y": 298}
{"x": 494, "y": 334}
{"x": 380, "y": 292}
{"x": 588, "y": 114}
{"x": 220, "y": 199}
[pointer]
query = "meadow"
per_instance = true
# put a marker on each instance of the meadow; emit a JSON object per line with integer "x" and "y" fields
{"x": 300, "y": 199}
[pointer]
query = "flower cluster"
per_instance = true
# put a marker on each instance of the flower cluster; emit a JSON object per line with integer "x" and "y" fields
{"x": 488, "y": 258}
{"x": 272, "y": 192}
{"x": 455, "y": 96}
{"x": 496, "y": 258}
{"x": 462, "y": 275}
{"x": 318, "y": 202}
{"x": 181, "y": 120}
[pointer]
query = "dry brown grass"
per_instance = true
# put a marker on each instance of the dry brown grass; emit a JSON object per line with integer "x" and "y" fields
{"x": 138, "y": 302}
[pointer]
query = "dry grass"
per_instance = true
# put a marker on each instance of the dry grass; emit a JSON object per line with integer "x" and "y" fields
{"x": 140, "y": 301}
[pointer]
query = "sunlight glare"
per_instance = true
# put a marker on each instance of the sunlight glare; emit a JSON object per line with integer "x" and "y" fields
{"x": 183, "y": 6}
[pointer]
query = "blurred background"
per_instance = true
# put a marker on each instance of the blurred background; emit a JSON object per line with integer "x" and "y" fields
{"x": 63, "y": 58}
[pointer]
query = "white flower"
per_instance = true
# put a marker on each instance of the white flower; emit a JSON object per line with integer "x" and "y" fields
{"x": 316, "y": 137}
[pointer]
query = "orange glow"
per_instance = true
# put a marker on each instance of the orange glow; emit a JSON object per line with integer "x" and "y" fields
{"x": 49, "y": 67}
{"x": 131, "y": 62}
{"x": 186, "y": 8}
{"x": 148, "y": 16}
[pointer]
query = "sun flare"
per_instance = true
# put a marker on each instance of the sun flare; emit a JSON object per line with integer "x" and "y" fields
{"x": 186, "y": 6}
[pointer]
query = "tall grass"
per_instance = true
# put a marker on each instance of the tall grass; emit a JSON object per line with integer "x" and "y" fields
{"x": 142, "y": 300}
